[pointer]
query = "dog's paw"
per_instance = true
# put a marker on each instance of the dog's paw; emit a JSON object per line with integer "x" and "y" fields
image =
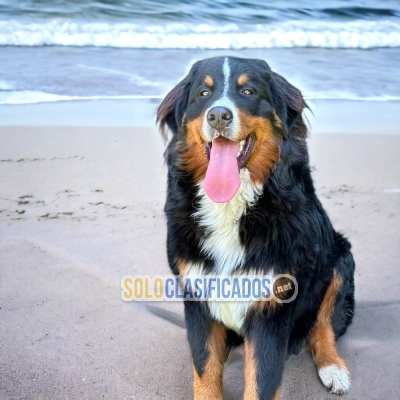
{"x": 336, "y": 379}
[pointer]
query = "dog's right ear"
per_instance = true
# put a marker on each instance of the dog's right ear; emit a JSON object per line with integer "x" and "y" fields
{"x": 288, "y": 102}
{"x": 172, "y": 109}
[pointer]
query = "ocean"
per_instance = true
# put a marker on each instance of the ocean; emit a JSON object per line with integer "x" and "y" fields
{"x": 133, "y": 49}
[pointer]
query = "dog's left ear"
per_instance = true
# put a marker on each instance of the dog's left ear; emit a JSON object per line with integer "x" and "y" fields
{"x": 172, "y": 109}
{"x": 172, "y": 104}
{"x": 287, "y": 101}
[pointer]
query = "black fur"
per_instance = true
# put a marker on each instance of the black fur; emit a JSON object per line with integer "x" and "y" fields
{"x": 287, "y": 228}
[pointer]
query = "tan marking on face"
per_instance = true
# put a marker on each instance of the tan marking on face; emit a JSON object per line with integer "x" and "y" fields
{"x": 194, "y": 157}
{"x": 266, "y": 151}
{"x": 209, "y": 81}
{"x": 250, "y": 371}
{"x": 322, "y": 339}
{"x": 209, "y": 384}
{"x": 242, "y": 80}
{"x": 264, "y": 157}
{"x": 277, "y": 120}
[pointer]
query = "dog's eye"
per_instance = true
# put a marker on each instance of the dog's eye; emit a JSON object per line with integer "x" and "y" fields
{"x": 247, "y": 92}
{"x": 204, "y": 93}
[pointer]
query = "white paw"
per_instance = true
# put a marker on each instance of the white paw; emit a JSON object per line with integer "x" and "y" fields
{"x": 335, "y": 378}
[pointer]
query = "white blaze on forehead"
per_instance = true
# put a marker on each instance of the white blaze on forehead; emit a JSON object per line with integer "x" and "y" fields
{"x": 223, "y": 101}
{"x": 227, "y": 72}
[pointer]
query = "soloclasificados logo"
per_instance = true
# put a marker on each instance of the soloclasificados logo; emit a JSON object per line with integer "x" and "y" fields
{"x": 281, "y": 288}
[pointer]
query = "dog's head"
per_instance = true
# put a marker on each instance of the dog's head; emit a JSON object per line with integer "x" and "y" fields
{"x": 230, "y": 114}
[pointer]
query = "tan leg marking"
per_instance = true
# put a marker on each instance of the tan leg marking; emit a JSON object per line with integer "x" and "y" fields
{"x": 208, "y": 386}
{"x": 277, "y": 394}
{"x": 331, "y": 368}
{"x": 250, "y": 372}
{"x": 272, "y": 303}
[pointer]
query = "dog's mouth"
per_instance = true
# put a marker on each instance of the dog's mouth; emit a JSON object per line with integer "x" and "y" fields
{"x": 226, "y": 158}
{"x": 245, "y": 148}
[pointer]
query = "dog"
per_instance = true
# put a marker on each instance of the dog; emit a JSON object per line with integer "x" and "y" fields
{"x": 241, "y": 200}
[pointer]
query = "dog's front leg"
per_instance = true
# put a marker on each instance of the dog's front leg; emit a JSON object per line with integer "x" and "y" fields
{"x": 265, "y": 350}
{"x": 207, "y": 342}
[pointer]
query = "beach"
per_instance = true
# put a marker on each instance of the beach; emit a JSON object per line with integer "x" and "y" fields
{"x": 83, "y": 183}
{"x": 82, "y": 205}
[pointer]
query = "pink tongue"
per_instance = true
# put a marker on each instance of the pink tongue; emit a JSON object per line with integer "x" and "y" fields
{"x": 222, "y": 179}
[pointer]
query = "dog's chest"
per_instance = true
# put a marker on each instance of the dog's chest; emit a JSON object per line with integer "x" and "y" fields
{"x": 222, "y": 243}
{"x": 222, "y": 221}
{"x": 231, "y": 313}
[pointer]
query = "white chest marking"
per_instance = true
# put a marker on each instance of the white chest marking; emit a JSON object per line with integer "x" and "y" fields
{"x": 231, "y": 313}
{"x": 221, "y": 221}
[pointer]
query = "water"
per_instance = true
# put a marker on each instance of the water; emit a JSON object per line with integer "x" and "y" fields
{"x": 63, "y": 50}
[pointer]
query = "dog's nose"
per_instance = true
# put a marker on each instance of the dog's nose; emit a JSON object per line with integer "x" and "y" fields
{"x": 219, "y": 118}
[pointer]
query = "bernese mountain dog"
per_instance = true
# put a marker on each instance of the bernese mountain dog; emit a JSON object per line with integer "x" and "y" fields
{"x": 241, "y": 200}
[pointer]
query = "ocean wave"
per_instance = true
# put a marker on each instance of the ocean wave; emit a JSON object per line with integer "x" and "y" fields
{"x": 237, "y": 11}
{"x": 333, "y": 95}
{"x": 325, "y": 34}
{"x": 19, "y": 97}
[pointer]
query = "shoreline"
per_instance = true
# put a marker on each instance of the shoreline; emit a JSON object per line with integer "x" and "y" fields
{"x": 327, "y": 116}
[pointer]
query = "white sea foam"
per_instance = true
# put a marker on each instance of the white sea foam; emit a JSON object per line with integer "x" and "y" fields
{"x": 33, "y": 97}
{"x": 5, "y": 85}
{"x": 335, "y": 95}
{"x": 139, "y": 80}
{"x": 326, "y": 34}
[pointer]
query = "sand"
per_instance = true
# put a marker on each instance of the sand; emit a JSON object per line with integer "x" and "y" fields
{"x": 81, "y": 207}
